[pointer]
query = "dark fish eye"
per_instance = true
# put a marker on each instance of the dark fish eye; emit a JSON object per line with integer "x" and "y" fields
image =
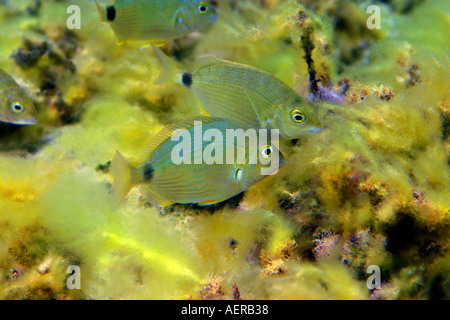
{"x": 17, "y": 107}
{"x": 202, "y": 8}
{"x": 298, "y": 116}
{"x": 266, "y": 152}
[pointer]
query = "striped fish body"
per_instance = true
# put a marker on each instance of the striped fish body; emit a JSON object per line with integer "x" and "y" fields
{"x": 156, "y": 20}
{"x": 249, "y": 96}
{"x": 166, "y": 182}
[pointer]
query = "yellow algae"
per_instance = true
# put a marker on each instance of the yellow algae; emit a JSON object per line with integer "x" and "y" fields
{"x": 45, "y": 281}
{"x": 94, "y": 145}
{"x": 21, "y": 187}
{"x": 105, "y": 238}
{"x": 311, "y": 282}
{"x": 171, "y": 266}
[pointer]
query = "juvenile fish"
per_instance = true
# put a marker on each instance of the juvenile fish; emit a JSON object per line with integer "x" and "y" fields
{"x": 199, "y": 180}
{"x": 157, "y": 21}
{"x": 243, "y": 94}
{"x": 15, "y": 106}
{"x": 249, "y": 96}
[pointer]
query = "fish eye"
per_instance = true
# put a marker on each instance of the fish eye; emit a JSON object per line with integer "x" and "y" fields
{"x": 17, "y": 106}
{"x": 298, "y": 116}
{"x": 238, "y": 175}
{"x": 266, "y": 152}
{"x": 202, "y": 8}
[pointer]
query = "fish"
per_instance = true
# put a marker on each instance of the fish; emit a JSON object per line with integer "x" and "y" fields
{"x": 243, "y": 94}
{"x": 15, "y": 105}
{"x": 165, "y": 180}
{"x": 156, "y": 21}
{"x": 250, "y": 96}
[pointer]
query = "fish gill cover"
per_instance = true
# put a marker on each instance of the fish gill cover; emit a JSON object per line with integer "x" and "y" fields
{"x": 359, "y": 210}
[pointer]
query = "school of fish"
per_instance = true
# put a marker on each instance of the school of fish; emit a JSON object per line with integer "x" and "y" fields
{"x": 233, "y": 96}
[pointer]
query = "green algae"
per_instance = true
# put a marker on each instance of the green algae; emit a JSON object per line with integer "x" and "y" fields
{"x": 371, "y": 189}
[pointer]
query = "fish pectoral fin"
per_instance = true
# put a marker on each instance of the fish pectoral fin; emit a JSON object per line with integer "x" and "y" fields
{"x": 210, "y": 202}
{"x": 154, "y": 198}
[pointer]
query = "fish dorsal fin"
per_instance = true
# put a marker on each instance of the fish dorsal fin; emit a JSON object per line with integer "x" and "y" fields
{"x": 205, "y": 61}
{"x": 166, "y": 133}
{"x": 208, "y": 60}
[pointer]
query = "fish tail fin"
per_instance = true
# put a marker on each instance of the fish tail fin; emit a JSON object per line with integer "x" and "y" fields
{"x": 101, "y": 12}
{"x": 170, "y": 69}
{"x": 95, "y": 30}
{"x": 124, "y": 175}
{"x": 102, "y": 15}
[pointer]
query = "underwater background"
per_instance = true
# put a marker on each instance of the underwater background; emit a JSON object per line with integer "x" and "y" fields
{"x": 371, "y": 189}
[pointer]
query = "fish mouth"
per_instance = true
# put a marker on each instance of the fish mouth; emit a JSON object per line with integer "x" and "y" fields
{"x": 32, "y": 120}
{"x": 27, "y": 122}
{"x": 23, "y": 121}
